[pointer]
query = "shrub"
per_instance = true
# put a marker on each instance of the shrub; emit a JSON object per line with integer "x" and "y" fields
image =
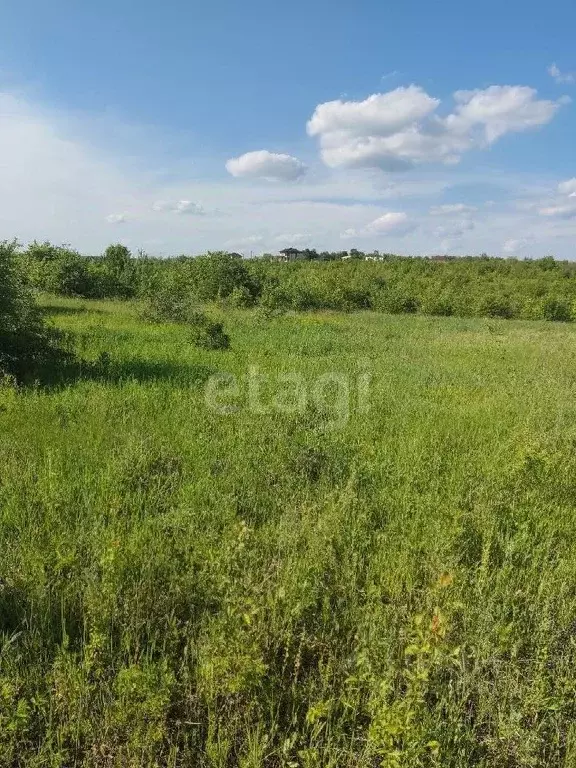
{"x": 63, "y": 271}
{"x": 437, "y": 305}
{"x": 29, "y": 349}
{"x": 275, "y": 299}
{"x": 206, "y": 333}
{"x": 216, "y": 275}
{"x": 496, "y": 306}
{"x": 394, "y": 301}
{"x": 240, "y": 297}
{"x": 555, "y": 309}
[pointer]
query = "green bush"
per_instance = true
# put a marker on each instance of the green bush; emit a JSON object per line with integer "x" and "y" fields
{"x": 206, "y": 333}
{"x": 496, "y": 306}
{"x": 216, "y": 275}
{"x": 555, "y": 309}
{"x": 437, "y": 305}
{"x": 394, "y": 301}
{"x": 240, "y": 297}
{"x": 29, "y": 349}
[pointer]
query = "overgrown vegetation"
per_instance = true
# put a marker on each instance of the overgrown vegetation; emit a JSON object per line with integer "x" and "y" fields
{"x": 246, "y": 587}
{"x": 253, "y": 557}
{"x": 543, "y": 289}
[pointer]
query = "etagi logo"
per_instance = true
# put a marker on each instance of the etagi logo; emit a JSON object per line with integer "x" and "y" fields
{"x": 333, "y": 393}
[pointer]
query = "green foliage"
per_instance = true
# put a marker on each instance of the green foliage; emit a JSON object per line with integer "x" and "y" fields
{"x": 465, "y": 287}
{"x": 29, "y": 349}
{"x": 206, "y": 333}
{"x": 555, "y": 309}
{"x": 496, "y": 306}
{"x": 240, "y": 297}
{"x": 120, "y": 271}
{"x": 218, "y": 274}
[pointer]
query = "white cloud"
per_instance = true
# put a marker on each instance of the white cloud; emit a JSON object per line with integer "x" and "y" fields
{"x": 392, "y": 221}
{"x": 516, "y": 245}
{"x": 562, "y": 78}
{"x": 501, "y": 109}
{"x": 399, "y": 129}
{"x": 562, "y": 205}
{"x": 116, "y": 218}
{"x": 456, "y": 230}
{"x": 382, "y": 114}
{"x": 566, "y": 211}
{"x": 395, "y": 223}
{"x": 448, "y": 209}
{"x": 178, "y": 206}
{"x": 298, "y": 238}
{"x": 266, "y": 165}
{"x": 568, "y": 188}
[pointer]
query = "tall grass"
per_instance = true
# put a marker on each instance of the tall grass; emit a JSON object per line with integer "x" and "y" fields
{"x": 186, "y": 587}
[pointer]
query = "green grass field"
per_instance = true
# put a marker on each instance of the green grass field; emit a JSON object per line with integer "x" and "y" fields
{"x": 331, "y": 572}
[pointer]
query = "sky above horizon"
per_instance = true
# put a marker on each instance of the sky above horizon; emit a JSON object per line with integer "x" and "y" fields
{"x": 415, "y": 128}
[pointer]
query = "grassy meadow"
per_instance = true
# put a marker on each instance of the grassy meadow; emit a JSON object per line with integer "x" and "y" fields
{"x": 379, "y": 570}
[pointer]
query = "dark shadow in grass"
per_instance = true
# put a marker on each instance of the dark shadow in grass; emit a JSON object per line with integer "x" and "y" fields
{"x": 141, "y": 370}
{"x": 56, "y": 309}
{"x": 107, "y": 369}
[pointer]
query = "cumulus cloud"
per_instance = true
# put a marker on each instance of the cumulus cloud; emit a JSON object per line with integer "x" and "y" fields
{"x": 396, "y": 223}
{"x": 179, "y": 206}
{"x": 449, "y": 209}
{"x": 382, "y": 114}
{"x": 266, "y": 165}
{"x": 562, "y": 78}
{"x": 400, "y": 129}
{"x": 116, "y": 218}
{"x": 501, "y": 109}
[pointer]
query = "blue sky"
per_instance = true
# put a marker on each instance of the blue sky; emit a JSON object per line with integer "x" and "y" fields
{"x": 416, "y": 127}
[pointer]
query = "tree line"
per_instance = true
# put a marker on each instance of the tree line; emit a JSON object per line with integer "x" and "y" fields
{"x": 346, "y": 281}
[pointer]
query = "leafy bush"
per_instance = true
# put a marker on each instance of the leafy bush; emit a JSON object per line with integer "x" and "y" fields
{"x": 206, "y": 333}
{"x": 29, "y": 349}
{"x": 555, "y": 309}
{"x": 394, "y": 301}
{"x": 240, "y": 297}
{"x": 216, "y": 275}
{"x": 437, "y": 305}
{"x": 496, "y": 306}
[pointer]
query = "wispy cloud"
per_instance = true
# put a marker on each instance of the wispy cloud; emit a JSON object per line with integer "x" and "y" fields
{"x": 562, "y": 78}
